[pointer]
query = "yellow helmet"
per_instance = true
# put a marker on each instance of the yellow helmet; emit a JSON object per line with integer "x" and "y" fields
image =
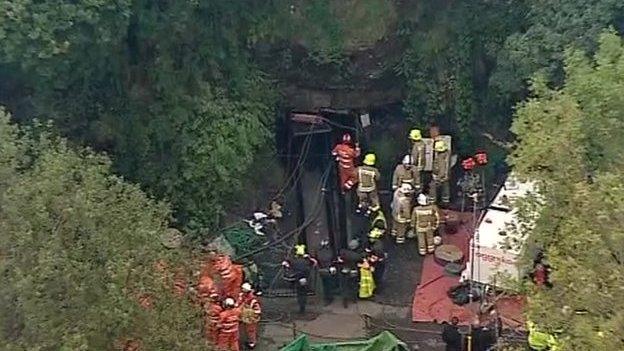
{"x": 440, "y": 146}
{"x": 376, "y": 233}
{"x": 300, "y": 249}
{"x": 370, "y": 159}
{"x": 415, "y": 134}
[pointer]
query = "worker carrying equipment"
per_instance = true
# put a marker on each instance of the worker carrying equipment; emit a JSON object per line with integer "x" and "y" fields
{"x": 440, "y": 172}
{"x": 368, "y": 176}
{"x": 250, "y": 313}
{"x": 228, "y": 337}
{"x": 425, "y": 220}
{"x": 406, "y": 172}
{"x": 401, "y": 212}
{"x": 418, "y": 150}
{"x": 346, "y": 153}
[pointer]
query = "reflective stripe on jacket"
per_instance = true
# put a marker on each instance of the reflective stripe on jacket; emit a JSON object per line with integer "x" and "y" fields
{"x": 368, "y": 177}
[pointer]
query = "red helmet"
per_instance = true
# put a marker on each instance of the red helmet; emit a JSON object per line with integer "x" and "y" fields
{"x": 481, "y": 157}
{"x": 346, "y": 138}
{"x": 468, "y": 164}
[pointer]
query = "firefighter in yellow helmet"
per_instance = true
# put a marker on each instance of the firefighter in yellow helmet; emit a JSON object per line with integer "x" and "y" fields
{"x": 440, "y": 173}
{"x": 425, "y": 220}
{"x": 417, "y": 151}
{"x": 402, "y": 212}
{"x": 368, "y": 176}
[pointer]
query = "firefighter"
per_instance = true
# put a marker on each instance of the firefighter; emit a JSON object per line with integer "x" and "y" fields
{"x": 213, "y": 309}
{"x": 349, "y": 259}
{"x": 300, "y": 267}
{"x": 250, "y": 313}
{"x": 402, "y": 212}
{"x": 440, "y": 172}
{"x": 406, "y": 172}
{"x": 425, "y": 220}
{"x": 368, "y": 176}
{"x": 228, "y": 336}
{"x": 345, "y": 153}
{"x": 418, "y": 151}
{"x": 327, "y": 270}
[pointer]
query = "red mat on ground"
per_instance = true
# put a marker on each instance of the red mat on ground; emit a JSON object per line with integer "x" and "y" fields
{"x": 431, "y": 302}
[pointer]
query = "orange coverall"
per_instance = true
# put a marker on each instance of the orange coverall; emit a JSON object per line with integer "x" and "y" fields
{"x": 345, "y": 154}
{"x": 228, "y": 336}
{"x": 249, "y": 300}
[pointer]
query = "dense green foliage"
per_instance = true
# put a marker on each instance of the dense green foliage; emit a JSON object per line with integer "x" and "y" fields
{"x": 570, "y": 141}
{"x": 167, "y": 87}
{"x": 77, "y": 250}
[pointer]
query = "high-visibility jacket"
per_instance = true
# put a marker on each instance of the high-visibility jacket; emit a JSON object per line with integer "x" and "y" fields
{"x": 379, "y": 220}
{"x": 441, "y": 165}
{"x": 541, "y": 341}
{"x": 228, "y": 320}
{"x": 367, "y": 282}
{"x": 346, "y": 154}
{"x": 367, "y": 178}
{"x": 213, "y": 312}
{"x": 405, "y": 174}
{"x": 418, "y": 154}
{"x": 402, "y": 209}
{"x": 205, "y": 287}
{"x": 425, "y": 217}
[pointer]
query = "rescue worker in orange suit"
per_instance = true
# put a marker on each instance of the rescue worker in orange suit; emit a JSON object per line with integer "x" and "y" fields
{"x": 250, "y": 313}
{"x": 406, "y": 172}
{"x": 368, "y": 176}
{"x": 346, "y": 153}
{"x": 228, "y": 335}
{"x": 205, "y": 287}
{"x": 425, "y": 220}
{"x": 402, "y": 212}
{"x": 213, "y": 309}
{"x": 300, "y": 267}
{"x": 231, "y": 275}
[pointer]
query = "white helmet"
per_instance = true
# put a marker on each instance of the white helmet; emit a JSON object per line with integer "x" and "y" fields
{"x": 246, "y": 287}
{"x": 407, "y": 160}
{"x": 406, "y": 187}
{"x": 422, "y": 199}
{"x": 437, "y": 240}
{"x": 229, "y": 302}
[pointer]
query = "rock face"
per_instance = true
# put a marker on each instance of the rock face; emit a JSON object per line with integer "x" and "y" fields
{"x": 360, "y": 74}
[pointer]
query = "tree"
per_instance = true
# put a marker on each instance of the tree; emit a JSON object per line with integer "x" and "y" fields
{"x": 77, "y": 253}
{"x": 569, "y": 141}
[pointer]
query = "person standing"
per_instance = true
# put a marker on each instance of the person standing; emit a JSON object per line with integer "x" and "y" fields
{"x": 349, "y": 258}
{"x": 368, "y": 176}
{"x": 346, "y": 153}
{"x": 451, "y": 335}
{"x": 418, "y": 151}
{"x": 228, "y": 338}
{"x": 250, "y": 314}
{"x": 213, "y": 309}
{"x": 406, "y": 172}
{"x": 367, "y": 282}
{"x": 327, "y": 270}
{"x": 402, "y": 212}
{"x": 440, "y": 173}
{"x": 377, "y": 257}
{"x": 301, "y": 266}
{"x": 425, "y": 220}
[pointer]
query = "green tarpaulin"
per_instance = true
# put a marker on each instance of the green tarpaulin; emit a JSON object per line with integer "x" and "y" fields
{"x": 385, "y": 341}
